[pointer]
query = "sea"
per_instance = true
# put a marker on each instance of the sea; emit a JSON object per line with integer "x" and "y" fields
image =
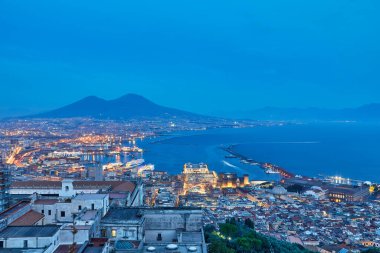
{"x": 346, "y": 149}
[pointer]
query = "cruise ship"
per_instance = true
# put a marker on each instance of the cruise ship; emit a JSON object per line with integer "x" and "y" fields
{"x": 134, "y": 163}
{"x": 132, "y": 149}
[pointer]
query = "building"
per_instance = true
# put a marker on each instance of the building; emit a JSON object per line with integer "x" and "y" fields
{"x": 154, "y": 230}
{"x": 335, "y": 193}
{"x": 198, "y": 178}
{"x": 122, "y": 193}
{"x": 346, "y": 193}
{"x": 32, "y": 238}
{"x": 174, "y": 230}
{"x": 123, "y": 223}
{"x": 4, "y": 185}
{"x": 91, "y": 202}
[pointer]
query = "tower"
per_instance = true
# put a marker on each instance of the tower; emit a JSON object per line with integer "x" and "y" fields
{"x": 67, "y": 190}
{"x": 4, "y": 185}
{"x": 246, "y": 179}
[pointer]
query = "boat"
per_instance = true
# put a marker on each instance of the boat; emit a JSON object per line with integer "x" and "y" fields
{"x": 134, "y": 163}
{"x": 132, "y": 149}
{"x": 270, "y": 171}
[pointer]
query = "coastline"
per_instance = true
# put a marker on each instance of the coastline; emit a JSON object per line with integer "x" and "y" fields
{"x": 263, "y": 165}
{"x": 338, "y": 155}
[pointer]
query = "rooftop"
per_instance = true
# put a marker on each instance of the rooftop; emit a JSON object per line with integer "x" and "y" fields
{"x": 90, "y": 196}
{"x": 13, "y": 209}
{"x": 88, "y": 215}
{"x": 28, "y": 219}
{"x": 45, "y": 201}
{"x": 122, "y": 214}
{"x": 29, "y": 231}
{"x": 66, "y": 248}
{"x": 115, "y": 186}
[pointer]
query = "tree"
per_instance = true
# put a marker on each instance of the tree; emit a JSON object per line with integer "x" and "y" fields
{"x": 208, "y": 229}
{"x": 240, "y": 238}
{"x": 295, "y": 188}
{"x": 372, "y": 250}
{"x": 229, "y": 230}
{"x": 231, "y": 221}
{"x": 218, "y": 246}
{"x": 249, "y": 223}
{"x": 73, "y": 246}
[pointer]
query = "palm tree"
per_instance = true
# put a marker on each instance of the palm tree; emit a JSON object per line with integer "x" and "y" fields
{"x": 74, "y": 231}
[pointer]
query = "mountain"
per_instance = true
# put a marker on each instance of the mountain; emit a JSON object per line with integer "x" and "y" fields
{"x": 370, "y": 112}
{"x": 130, "y": 106}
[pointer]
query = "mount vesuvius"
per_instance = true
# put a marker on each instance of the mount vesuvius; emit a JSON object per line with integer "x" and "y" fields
{"x": 130, "y": 106}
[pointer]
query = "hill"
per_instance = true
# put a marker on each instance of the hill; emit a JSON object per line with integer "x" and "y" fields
{"x": 130, "y": 106}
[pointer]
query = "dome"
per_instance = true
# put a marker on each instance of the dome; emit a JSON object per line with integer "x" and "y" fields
{"x": 172, "y": 246}
{"x": 279, "y": 190}
{"x": 151, "y": 249}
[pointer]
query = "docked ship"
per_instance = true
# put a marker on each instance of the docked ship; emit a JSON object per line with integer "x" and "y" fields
{"x": 134, "y": 163}
{"x": 270, "y": 171}
{"x": 132, "y": 149}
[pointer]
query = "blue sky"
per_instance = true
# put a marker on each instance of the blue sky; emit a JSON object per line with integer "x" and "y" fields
{"x": 202, "y": 56}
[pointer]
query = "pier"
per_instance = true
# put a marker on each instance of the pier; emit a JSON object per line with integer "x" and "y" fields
{"x": 264, "y": 165}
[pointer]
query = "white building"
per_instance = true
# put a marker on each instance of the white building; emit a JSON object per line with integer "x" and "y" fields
{"x": 40, "y": 238}
{"x": 91, "y": 202}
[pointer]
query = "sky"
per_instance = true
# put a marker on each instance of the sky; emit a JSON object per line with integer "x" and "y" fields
{"x": 203, "y": 56}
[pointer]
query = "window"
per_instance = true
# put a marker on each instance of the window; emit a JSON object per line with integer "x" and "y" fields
{"x": 67, "y": 188}
{"x": 113, "y": 233}
{"x": 49, "y": 212}
{"x": 43, "y": 211}
{"x": 104, "y": 233}
{"x": 92, "y": 206}
{"x": 79, "y": 208}
{"x": 25, "y": 243}
{"x": 1, "y": 244}
{"x": 63, "y": 214}
{"x": 159, "y": 237}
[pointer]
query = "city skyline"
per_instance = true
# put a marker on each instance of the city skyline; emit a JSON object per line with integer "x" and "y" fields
{"x": 190, "y": 126}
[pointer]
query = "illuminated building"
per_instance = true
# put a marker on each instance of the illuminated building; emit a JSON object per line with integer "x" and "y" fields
{"x": 198, "y": 178}
{"x": 246, "y": 179}
{"x": 228, "y": 180}
{"x": 231, "y": 180}
{"x": 347, "y": 193}
{"x": 4, "y": 185}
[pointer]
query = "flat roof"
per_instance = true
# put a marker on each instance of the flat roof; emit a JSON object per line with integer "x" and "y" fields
{"x": 45, "y": 201}
{"x": 29, "y": 231}
{"x": 90, "y": 196}
{"x": 88, "y": 215}
{"x": 122, "y": 214}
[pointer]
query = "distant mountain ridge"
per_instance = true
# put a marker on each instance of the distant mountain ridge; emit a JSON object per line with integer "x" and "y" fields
{"x": 130, "y": 106}
{"x": 133, "y": 106}
{"x": 369, "y": 112}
